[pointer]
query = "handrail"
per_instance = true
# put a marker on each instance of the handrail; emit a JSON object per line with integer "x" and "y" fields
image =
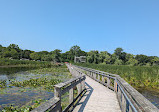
{"x": 54, "y": 104}
{"x": 130, "y": 100}
{"x": 127, "y": 98}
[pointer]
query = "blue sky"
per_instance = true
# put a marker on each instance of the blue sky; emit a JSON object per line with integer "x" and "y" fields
{"x": 92, "y": 24}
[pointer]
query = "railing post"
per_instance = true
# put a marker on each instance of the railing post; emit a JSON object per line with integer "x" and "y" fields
{"x": 99, "y": 77}
{"x": 57, "y": 91}
{"x": 119, "y": 96}
{"x": 71, "y": 96}
{"x": 94, "y": 75}
{"x": 108, "y": 82}
{"x": 123, "y": 103}
{"x": 130, "y": 109}
{"x": 103, "y": 79}
{"x": 83, "y": 84}
{"x": 79, "y": 87}
{"x": 115, "y": 85}
{"x": 88, "y": 73}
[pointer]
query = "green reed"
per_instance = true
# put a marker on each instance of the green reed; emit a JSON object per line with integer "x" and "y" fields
{"x": 137, "y": 76}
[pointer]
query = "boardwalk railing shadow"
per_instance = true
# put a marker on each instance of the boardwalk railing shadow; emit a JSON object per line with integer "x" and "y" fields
{"x": 86, "y": 97}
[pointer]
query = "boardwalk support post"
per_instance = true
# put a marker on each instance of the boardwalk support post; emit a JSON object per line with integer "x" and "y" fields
{"x": 58, "y": 95}
{"x": 71, "y": 96}
{"x": 108, "y": 82}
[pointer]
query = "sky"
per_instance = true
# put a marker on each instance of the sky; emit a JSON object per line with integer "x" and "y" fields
{"x": 100, "y": 25}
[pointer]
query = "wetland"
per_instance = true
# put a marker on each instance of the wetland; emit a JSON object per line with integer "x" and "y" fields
{"x": 25, "y": 88}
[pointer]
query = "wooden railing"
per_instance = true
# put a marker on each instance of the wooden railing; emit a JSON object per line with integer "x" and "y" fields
{"x": 54, "y": 104}
{"x": 130, "y": 100}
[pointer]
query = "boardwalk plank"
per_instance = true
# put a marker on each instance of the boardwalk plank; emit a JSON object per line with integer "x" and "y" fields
{"x": 98, "y": 98}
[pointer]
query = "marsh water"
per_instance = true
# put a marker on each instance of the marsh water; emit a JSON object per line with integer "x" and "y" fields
{"x": 152, "y": 96}
{"x": 21, "y": 96}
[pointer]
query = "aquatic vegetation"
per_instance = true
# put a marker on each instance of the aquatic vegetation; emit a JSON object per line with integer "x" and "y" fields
{"x": 31, "y": 84}
{"x": 35, "y": 103}
{"x": 48, "y": 83}
{"x": 3, "y": 84}
{"x": 52, "y": 70}
{"x": 137, "y": 76}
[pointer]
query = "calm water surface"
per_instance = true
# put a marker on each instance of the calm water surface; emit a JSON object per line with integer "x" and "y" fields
{"x": 151, "y": 96}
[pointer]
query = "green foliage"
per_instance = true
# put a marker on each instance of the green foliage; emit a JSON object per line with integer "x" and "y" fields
{"x": 56, "y": 55}
{"x": 5, "y": 61}
{"x": 137, "y": 76}
{"x": 155, "y": 61}
{"x": 119, "y": 57}
{"x": 3, "y": 84}
{"x": 40, "y": 80}
{"x": 26, "y": 54}
{"x": 36, "y": 82}
{"x": 35, "y": 56}
{"x": 46, "y": 58}
{"x": 93, "y": 57}
{"x": 35, "y": 103}
{"x": 118, "y": 51}
{"x": 118, "y": 62}
{"x": 14, "y": 54}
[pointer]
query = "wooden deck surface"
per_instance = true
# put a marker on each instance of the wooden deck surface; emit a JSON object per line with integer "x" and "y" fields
{"x": 98, "y": 98}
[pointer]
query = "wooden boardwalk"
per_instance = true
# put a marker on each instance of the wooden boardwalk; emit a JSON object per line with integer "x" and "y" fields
{"x": 98, "y": 98}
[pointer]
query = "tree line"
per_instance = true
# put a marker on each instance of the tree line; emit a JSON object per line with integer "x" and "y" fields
{"x": 119, "y": 57}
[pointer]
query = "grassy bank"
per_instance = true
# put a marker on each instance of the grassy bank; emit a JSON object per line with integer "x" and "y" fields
{"x": 137, "y": 76}
{"x": 4, "y": 62}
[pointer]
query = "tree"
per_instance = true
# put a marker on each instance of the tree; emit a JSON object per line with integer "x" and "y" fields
{"x": 132, "y": 62}
{"x": 75, "y": 50}
{"x": 93, "y": 57}
{"x": 6, "y": 54}
{"x": 56, "y": 54}
{"x": 118, "y": 52}
{"x": 142, "y": 59}
{"x": 14, "y": 46}
{"x": 46, "y": 58}
{"x": 14, "y": 54}
{"x": 108, "y": 59}
{"x": 35, "y": 56}
{"x": 155, "y": 60}
{"x": 65, "y": 57}
{"x": 1, "y": 47}
{"x": 118, "y": 62}
{"x": 102, "y": 56}
{"x": 26, "y": 54}
{"x": 113, "y": 58}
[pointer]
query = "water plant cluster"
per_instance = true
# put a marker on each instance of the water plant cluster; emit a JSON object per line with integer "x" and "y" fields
{"x": 137, "y": 76}
{"x": 35, "y": 103}
{"x": 46, "y": 82}
{"x": 52, "y": 70}
{"x": 41, "y": 80}
{"x": 2, "y": 83}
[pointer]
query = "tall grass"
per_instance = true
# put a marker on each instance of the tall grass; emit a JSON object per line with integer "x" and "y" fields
{"x": 137, "y": 76}
{"x": 6, "y": 62}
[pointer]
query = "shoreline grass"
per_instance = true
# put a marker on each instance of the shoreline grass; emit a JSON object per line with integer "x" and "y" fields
{"x": 137, "y": 76}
